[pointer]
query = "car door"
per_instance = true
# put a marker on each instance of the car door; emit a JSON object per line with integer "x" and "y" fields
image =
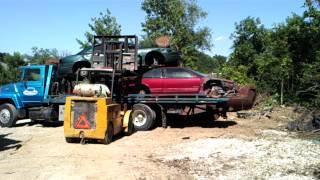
{"x": 180, "y": 81}
{"x": 32, "y": 85}
{"x": 153, "y": 81}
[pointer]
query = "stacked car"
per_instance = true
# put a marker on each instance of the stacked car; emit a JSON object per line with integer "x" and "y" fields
{"x": 160, "y": 74}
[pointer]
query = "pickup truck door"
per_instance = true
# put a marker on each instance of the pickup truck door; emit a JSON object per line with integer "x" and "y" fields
{"x": 31, "y": 88}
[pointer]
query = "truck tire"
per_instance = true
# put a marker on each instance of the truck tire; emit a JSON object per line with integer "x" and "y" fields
{"x": 109, "y": 134}
{"x": 143, "y": 90}
{"x": 143, "y": 117}
{"x": 164, "y": 120}
{"x": 211, "y": 113}
{"x": 8, "y": 115}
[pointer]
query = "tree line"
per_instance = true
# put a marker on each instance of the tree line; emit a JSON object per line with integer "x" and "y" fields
{"x": 10, "y": 62}
{"x": 284, "y": 59}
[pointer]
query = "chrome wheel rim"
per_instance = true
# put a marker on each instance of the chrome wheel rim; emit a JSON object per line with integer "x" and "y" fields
{"x": 4, "y": 116}
{"x": 143, "y": 92}
{"x": 140, "y": 119}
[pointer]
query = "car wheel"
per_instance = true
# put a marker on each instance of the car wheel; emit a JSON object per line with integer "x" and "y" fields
{"x": 8, "y": 115}
{"x": 143, "y": 117}
{"x": 143, "y": 91}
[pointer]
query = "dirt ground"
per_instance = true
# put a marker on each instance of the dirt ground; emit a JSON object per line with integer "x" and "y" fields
{"x": 252, "y": 148}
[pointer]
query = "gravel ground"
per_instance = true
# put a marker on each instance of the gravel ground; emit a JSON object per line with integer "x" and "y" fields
{"x": 272, "y": 155}
{"x": 190, "y": 149}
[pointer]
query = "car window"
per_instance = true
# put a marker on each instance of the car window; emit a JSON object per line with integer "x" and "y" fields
{"x": 32, "y": 75}
{"x": 198, "y": 73}
{"x": 178, "y": 73}
{"x": 155, "y": 73}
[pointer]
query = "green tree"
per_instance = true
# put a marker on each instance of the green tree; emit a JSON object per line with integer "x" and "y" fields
{"x": 284, "y": 59}
{"x": 313, "y": 3}
{"x": 146, "y": 42}
{"x": 178, "y": 20}
{"x": 237, "y": 73}
{"x": 105, "y": 25}
{"x": 250, "y": 39}
{"x": 41, "y": 55}
{"x": 208, "y": 64}
{"x": 8, "y": 66}
{"x": 220, "y": 60}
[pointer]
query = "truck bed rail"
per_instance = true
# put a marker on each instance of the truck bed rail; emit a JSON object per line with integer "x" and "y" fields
{"x": 174, "y": 98}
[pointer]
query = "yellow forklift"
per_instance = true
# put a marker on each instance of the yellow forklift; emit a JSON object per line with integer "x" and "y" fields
{"x": 95, "y": 117}
{"x": 95, "y": 112}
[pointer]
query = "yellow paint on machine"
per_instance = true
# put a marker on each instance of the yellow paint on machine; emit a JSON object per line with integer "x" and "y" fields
{"x": 106, "y": 113}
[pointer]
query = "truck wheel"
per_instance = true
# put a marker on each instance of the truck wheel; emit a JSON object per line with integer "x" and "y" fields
{"x": 109, "y": 134}
{"x": 143, "y": 117}
{"x": 211, "y": 113}
{"x": 164, "y": 120}
{"x": 143, "y": 90}
{"x": 8, "y": 115}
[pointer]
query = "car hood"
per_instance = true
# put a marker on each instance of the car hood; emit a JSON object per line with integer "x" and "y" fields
{"x": 8, "y": 88}
{"x": 71, "y": 58}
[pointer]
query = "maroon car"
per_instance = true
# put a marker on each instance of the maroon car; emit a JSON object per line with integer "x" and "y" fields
{"x": 178, "y": 80}
{"x": 172, "y": 80}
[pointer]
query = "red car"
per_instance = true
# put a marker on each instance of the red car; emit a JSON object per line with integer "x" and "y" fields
{"x": 178, "y": 80}
{"x": 172, "y": 80}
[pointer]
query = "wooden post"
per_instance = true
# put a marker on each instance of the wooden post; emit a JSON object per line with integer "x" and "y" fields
{"x": 281, "y": 96}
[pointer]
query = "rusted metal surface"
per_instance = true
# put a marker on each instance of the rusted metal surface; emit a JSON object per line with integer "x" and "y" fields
{"x": 163, "y": 41}
{"x": 243, "y": 99}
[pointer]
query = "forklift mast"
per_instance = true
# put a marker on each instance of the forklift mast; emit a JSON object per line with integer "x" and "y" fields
{"x": 114, "y": 63}
{"x": 118, "y": 53}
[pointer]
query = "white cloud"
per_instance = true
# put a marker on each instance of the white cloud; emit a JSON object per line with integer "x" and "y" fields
{"x": 220, "y": 38}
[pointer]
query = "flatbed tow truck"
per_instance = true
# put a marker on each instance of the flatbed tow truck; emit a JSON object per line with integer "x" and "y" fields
{"x": 38, "y": 93}
{"x": 101, "y": 117}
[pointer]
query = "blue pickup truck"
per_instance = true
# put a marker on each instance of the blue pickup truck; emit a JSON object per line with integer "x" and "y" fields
{"x": 33, "y": 96}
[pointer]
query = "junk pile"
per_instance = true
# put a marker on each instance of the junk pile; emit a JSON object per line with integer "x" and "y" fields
{"x": 264, "y": 112}
{"x": 309, "y": 120}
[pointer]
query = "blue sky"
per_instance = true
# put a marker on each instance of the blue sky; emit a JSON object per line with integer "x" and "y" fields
{"x": 57, "y": 23}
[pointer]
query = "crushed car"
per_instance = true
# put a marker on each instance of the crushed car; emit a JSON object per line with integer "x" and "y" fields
{"x": 179, "y": 80}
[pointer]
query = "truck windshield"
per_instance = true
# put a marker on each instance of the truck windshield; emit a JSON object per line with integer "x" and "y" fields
{"x": 18, "y": 75}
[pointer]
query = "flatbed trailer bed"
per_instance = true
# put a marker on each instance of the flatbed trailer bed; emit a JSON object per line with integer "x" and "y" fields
{"x": 174, "y": 98}
{"x": 162, "y": 104}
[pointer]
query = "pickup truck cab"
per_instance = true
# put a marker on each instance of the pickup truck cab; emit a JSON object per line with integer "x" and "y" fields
{"x": 32, "y": 96}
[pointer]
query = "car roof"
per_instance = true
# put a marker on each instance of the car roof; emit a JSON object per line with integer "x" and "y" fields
{"x": 171, "y": 67}
{"x": 184, "y": 68}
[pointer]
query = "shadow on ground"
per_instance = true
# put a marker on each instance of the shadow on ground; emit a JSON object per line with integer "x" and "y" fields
{"x": 6, "y": 143}
{"x": 199, "y": 120}
{"x": 52, "y": 124}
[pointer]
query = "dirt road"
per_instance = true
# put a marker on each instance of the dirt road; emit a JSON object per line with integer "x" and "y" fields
{"x": 190, "y": 149}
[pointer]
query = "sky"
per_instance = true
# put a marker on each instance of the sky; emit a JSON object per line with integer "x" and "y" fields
{"x": 58, "y": 23}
